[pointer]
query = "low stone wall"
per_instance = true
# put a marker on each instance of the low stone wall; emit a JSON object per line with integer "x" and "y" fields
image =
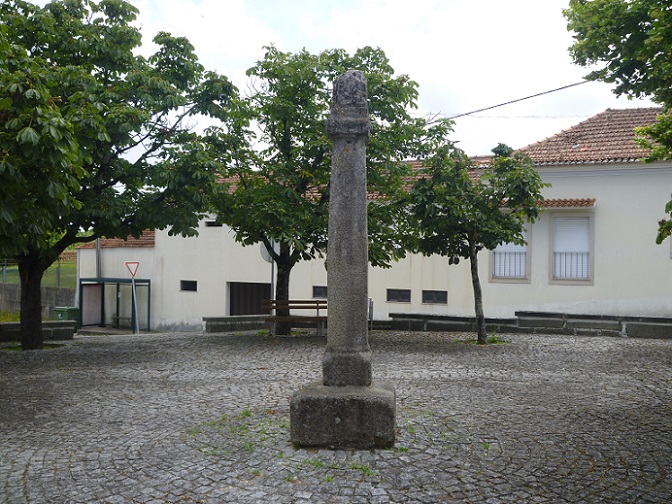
{"x": 599, "y": 325}
{"x": 252, "y": 322}
{"x": 419, "y": 322}
{"x": 53, "y": 330}
{"x": 10, "y": 298}
{"x": 542, "y": 323}
{"x": 524, "y": 322}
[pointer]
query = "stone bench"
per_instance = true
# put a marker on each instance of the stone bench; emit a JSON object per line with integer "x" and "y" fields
{"x": 52, "y": 330}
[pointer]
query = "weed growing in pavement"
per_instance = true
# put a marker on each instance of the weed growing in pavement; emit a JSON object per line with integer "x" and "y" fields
{"x": 248, "y": 446}
{"x": 317, "y": 463}
{"x": 366, "y": 470}
{"x": 496, "y": 340}
{"x": 245, "y": 431}
{"x": 493, "y": 339}
{"x": 242, "y": 434}
{"x": 209, "y": 451}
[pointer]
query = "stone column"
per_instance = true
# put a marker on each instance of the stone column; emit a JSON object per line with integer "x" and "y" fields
{"x": 347, "y": 409}
{"x": 347, "y": 359}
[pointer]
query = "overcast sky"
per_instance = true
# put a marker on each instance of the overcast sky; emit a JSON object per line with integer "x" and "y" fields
{"x": 465, "y": 54}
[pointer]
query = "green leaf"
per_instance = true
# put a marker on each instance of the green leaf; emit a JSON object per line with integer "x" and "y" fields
{"x": 28, "y": 135}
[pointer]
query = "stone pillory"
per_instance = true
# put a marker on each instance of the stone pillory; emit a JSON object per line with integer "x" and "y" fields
{"x": 347, "y": 359}
{"x": 347, "y": 408}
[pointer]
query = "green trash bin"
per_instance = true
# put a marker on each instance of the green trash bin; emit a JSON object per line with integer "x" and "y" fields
{"x": 67, "y": 313}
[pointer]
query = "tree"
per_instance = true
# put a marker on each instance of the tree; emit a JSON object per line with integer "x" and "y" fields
{"x": 458, "y": 209}
{"x": 94, "y": 137}
{"x": 277, "y": 181}
{"x": 630, "y": 42}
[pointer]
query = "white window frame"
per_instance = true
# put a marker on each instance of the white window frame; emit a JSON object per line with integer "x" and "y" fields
{"x": 572, "y": 262}
{"x": 526, "y": 278}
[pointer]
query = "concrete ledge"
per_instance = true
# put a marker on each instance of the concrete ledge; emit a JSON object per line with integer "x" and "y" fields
{"x": 52, "y": 330}
{"x": 421, "y": 322}
{"x": 608, "y": 325}
{"x": 234, "y": 323}
{"x": 543, "y": 323}
{"x": 648, "y": 330}
{"x": 343, "y": 417}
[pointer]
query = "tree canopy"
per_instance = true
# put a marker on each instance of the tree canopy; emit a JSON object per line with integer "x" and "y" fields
{"x": 277, "y": 181}
{"x": 457, "y": 209}
{"x": 94, "y": 136}
{"x": 630, "y": 43}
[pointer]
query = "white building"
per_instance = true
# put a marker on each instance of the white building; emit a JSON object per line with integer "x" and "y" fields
{"x": 593, "y": 251}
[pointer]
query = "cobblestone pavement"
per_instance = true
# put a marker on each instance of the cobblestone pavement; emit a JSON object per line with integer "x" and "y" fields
{"x": 204, "y": 418}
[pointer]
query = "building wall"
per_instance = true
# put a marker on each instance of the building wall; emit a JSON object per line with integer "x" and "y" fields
{"x": 632, "y": 276}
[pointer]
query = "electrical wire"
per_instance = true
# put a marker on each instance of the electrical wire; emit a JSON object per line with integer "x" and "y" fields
{"x": 519, "y": 99}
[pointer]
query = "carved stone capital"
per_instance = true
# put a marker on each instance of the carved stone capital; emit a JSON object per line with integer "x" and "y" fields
{"x": 349, "y": 111}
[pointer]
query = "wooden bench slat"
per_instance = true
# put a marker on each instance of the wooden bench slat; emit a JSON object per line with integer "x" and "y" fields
{"x": 296, "y": 304}
{"x": 298, "y": 318}
{"x": 285, "y": 303}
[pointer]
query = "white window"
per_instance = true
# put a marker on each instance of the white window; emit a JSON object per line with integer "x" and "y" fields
{"x": 509, "y": 261}
{"x": 571, "y": 248}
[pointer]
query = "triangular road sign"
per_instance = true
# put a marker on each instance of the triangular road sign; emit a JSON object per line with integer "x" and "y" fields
{"x": 132, "y": 267}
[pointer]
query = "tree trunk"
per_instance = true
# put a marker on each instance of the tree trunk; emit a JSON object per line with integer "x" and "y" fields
{"x": 478, "y": 295}
{"x": 282, "y": 292}
{"x": 31, "y": 271}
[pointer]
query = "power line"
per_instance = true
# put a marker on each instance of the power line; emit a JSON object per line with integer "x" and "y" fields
{"x": 519, "y": 99}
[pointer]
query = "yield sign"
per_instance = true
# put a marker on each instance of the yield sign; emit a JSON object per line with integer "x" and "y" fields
{"x": 132, "y": 267}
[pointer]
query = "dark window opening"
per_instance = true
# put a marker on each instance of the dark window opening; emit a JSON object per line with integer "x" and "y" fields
{"x": 319, "y": 292}
{"x": 188, "y": 285}
{"x": 435, "y": 297}
{"x": 399, "y": 295}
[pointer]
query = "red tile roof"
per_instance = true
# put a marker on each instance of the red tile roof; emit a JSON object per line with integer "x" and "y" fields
{"x": 608, "y": 137}
{"x": 569, "y": 203}
{"x": 146, "y": 240}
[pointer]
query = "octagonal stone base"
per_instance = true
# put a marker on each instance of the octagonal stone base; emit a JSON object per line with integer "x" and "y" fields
{"x": 343, "y": 417}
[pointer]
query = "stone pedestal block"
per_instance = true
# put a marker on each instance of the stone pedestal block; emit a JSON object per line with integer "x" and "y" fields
{"x": 344, "y": 417}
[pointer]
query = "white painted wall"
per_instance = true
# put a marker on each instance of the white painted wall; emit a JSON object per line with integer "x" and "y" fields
{"x": 632, "y": 275}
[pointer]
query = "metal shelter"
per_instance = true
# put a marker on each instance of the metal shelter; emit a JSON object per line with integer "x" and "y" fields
{"x": 110, "y": 302}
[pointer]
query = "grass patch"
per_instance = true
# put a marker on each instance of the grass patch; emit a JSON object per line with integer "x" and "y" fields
{"x": 7, "y": 316}
{"x": 63, "y": 274}
{"x": 16, "y": 347}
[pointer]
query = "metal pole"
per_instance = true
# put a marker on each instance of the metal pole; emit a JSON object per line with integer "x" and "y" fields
{"x": 136, "y": 322}
{"x": 99, "y": 267}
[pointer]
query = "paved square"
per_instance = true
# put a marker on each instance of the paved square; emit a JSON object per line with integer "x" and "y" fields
{"x": 203, "y": 418}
